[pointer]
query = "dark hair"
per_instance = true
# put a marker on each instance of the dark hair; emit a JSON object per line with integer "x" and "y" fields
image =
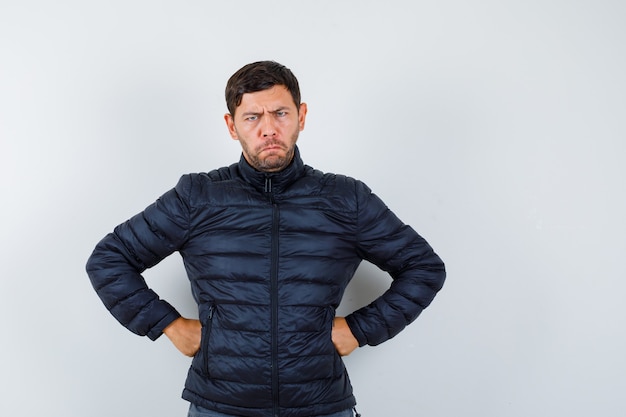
{"x": 260, "y": 76}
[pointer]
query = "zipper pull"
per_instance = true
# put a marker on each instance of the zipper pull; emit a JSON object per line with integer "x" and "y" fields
{"x": 268, "y": 184}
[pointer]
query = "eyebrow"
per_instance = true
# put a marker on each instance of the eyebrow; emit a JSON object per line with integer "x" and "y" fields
{"x": 257, "y": 113}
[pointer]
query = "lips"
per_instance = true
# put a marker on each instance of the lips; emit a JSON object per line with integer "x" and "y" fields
{"x": 272, "y": 147}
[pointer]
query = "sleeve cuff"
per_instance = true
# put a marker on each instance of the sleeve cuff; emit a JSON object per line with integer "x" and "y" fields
{"x": 157, "y": 330}
{"x": 356, "y": 330}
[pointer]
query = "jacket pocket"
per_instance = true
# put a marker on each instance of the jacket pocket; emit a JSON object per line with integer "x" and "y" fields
{"x": 338, "y": 367}
{"x": 206, "y": 337}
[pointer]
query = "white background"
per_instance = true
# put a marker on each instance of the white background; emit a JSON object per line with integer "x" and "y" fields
{"x": 495, "y": 128}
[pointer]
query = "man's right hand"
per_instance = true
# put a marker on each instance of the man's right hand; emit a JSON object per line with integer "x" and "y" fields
{"x": 185, "y": 334}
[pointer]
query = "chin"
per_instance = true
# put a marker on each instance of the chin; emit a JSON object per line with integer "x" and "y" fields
{"x": 273, "y": 164}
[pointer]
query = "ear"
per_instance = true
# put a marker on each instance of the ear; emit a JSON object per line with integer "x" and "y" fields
{"x": 302, "y": 115}
{"x": 230, "y": 124}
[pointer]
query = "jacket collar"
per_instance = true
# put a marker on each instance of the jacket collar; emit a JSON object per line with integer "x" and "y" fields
{"x": 274, "y": 182}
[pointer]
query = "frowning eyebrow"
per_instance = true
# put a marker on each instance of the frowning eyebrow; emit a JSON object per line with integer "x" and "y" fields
{"x": 251, "y": 113}
{"x": 258, "y": 113}
{"x": 283, "y": 108}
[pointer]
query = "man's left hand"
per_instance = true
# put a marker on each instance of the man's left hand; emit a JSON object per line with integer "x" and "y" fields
{"x": 342, "y": 336}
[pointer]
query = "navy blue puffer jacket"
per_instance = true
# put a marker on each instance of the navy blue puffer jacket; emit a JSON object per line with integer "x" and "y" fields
{"x": 269, "y": 257}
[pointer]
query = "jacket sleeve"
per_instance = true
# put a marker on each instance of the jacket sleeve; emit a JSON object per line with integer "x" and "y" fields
{"x": 117, "y": 262}
{"x": 417, "y": 271}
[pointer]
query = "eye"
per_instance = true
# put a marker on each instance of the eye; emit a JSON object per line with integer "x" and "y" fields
{"x": 281, "y": 113}
{"x": 251, "y": 118}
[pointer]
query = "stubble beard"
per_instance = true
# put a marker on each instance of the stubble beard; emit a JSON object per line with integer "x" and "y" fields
{"x": 272, "y": 162}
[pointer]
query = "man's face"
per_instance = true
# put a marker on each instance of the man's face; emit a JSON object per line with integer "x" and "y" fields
{"x": 267, "y": 124}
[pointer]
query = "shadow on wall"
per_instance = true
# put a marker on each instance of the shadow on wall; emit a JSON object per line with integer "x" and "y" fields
{"x": 368, "y": 283}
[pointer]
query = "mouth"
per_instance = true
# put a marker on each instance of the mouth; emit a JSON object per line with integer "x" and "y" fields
{"x": 272, "y": 147}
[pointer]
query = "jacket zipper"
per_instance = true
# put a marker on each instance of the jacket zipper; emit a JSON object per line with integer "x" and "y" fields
{"x": 205, "y": 339}
{"x": 274, "y": 296}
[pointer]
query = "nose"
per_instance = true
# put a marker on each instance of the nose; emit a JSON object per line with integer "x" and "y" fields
{"x": 269, "y": 130}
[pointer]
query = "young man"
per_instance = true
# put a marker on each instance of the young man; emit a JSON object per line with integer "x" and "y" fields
{"x": 269, "y": 245}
